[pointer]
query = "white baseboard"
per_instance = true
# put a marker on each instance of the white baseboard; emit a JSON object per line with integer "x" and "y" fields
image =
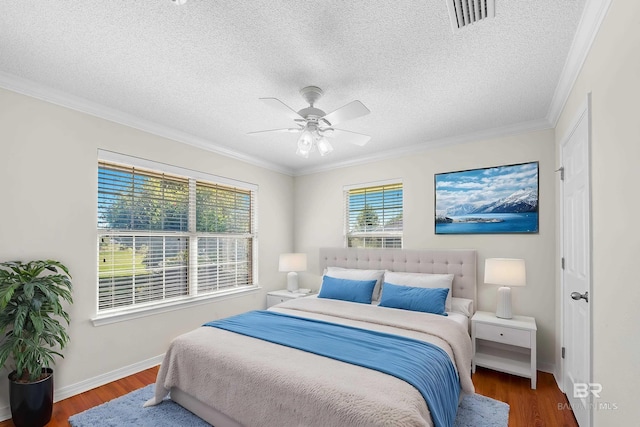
{"x": 5, "y": 413}
{"x": 549, "y": 368}
{"x": 558, "y": 379}
{"x": 82, "y": 386}
{"x": 88, "y": 384}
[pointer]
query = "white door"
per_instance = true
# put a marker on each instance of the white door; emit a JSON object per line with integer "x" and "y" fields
{"x": 576, "y": 275}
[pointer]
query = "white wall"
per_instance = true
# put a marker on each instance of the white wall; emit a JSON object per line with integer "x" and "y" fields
{"x": 48, "y": 205}
{"x": 320, "y": 222}
{"x": 612, "y": 74}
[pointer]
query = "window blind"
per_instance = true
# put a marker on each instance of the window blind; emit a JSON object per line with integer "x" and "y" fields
{"x": 166, "y": 236}
{"x": 374, "y": 216}
{"x": 221, "y": 209}
{"x": 224, "y": 222}
{"x": 138, "y": 269}
{"x": 135, "y": 199}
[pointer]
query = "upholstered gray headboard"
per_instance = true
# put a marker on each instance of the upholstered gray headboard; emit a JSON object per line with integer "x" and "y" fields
{"x": 461, "y": 263}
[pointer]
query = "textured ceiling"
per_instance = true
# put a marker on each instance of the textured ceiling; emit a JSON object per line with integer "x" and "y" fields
{"x": 195, "y": 72}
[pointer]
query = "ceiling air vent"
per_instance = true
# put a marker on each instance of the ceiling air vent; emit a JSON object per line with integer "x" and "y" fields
{"x": 466, "y": 12}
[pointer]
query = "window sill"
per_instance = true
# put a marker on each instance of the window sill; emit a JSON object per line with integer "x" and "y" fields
{"x": 138, "y": 312}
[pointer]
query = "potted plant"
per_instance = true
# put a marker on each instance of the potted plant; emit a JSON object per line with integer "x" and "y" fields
{"x": 31, "y": 333}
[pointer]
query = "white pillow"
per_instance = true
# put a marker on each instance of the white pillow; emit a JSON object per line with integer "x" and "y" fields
{"x": 356, "y": 274}
{"x": 422, "y": 280}
{"x": 462, "y": 305}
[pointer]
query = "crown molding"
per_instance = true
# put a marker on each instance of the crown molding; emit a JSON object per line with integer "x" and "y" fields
{"x": 519, "y": 128}
{"x": 39, "y": 91}
{"x": 592, "y": 16}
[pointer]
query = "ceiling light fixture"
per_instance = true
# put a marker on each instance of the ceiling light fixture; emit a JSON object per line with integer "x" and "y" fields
{"x": 312, "y": 138}
{"x": 324, "y": 147}
{"x": 305, "y": 143}
{"x": 315, "y": 126}
{"x": 179, "y": 2}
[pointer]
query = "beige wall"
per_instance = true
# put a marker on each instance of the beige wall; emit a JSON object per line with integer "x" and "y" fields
{"x": 320, "y": 222}
{"x": 48, "y": 171}
{"x": 612, "y": 74}
{"x": 48, "y": 159}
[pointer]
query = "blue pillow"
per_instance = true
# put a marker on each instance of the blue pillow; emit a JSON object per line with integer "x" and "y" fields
{"x": 428, "y": 300}
{"x": 347, "y": 290}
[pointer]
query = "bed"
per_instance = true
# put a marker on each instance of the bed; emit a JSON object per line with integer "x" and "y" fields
{"x": 230, "y": 379}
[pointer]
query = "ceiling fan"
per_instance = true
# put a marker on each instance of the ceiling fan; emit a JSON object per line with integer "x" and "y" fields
{"x": 315, "y": 126}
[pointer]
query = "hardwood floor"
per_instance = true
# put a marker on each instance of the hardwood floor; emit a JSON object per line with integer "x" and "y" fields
{"x": 529, "y": 408}
{"x": 63, "y": 409}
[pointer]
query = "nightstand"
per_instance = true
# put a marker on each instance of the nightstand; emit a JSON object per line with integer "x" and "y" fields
{"x": 276, "y": 297}
{"x": 506, "y": 345}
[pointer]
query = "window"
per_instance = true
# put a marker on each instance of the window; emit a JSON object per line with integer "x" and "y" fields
{"x": 166, "y": 236}
{"x": 374, "y": 215}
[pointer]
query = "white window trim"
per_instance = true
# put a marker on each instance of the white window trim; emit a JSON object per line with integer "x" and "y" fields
{"x": 110, "y": 156}
{"x": 127, "y": 313}
{"x": 373, "y": 184}
{"x": 121, "y": 315}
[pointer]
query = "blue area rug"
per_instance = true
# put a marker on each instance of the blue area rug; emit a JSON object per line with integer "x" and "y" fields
{"x": 474, "y": 411}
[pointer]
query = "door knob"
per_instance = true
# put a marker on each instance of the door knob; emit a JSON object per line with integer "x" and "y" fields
{"x": 578, "y": 296}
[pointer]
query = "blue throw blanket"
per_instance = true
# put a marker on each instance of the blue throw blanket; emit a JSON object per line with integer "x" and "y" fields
{"x": 423, "y": 365}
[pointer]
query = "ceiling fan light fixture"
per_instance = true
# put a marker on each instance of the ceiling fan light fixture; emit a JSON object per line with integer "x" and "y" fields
{"x": 306, "y": 140}
{"x": 305, "y": 143}
{"x": 315, "y": 125}
{"x": 324, "y": 146}
{"x": 303, "y": 152}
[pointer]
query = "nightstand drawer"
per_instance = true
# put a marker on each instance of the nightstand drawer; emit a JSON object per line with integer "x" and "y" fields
{"x": 273, "y": 300}
{"x": 517, "y": 337}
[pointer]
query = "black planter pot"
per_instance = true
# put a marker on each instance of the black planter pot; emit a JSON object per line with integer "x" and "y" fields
{"x": 31, "y": 403}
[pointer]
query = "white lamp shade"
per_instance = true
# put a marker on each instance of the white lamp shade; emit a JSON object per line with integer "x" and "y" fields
{"x": 293, "y": 262}
{"x": 505, "y": 271}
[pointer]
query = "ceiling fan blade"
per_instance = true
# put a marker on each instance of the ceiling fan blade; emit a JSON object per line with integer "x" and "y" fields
{"x": 352, "y": 110}
{"x": 284, "y": 108}
{"x": 289, "y": 130}
{"x": 350, "y": 137}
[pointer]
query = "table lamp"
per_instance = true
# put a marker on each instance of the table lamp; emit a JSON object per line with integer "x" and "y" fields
{"x": 292, "y": 263}
{"x": 507, "y": 272}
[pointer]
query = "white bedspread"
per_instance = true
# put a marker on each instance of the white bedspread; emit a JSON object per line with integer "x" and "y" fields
{"x": 259, "y": 383}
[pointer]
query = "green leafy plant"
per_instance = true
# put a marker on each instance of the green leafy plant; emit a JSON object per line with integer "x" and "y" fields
{"x": 31, "y": 297}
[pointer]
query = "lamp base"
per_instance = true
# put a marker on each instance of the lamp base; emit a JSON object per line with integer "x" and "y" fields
{"x": 503, "y": 309}
{"x": 292, "y": 281}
